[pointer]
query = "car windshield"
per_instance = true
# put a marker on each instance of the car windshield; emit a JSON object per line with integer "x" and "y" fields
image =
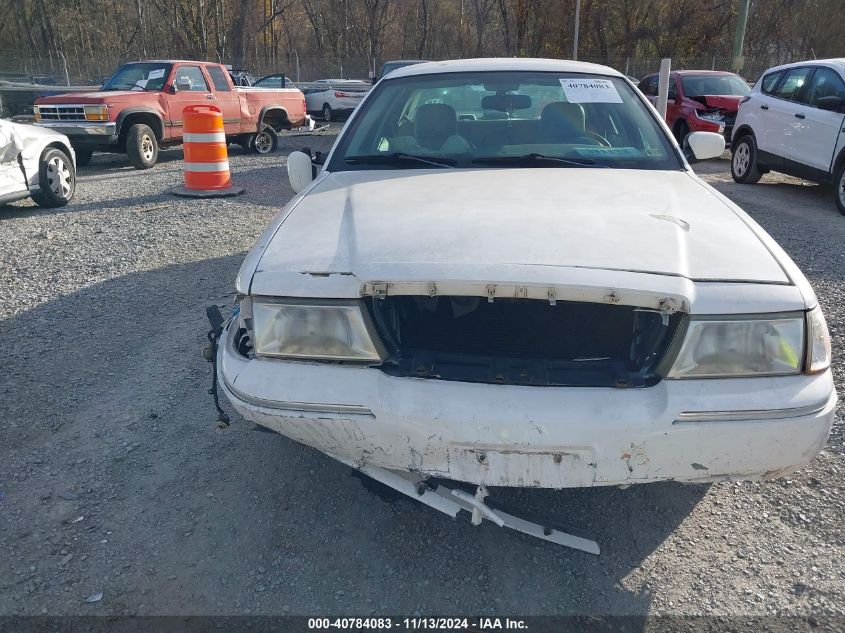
{"x": 715, "y": 85}
{"x": 144, "y": 76}
{"x": 509, "y": 118}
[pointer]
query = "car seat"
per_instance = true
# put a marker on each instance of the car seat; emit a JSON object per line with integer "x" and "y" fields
{"x": 561, "y": 121}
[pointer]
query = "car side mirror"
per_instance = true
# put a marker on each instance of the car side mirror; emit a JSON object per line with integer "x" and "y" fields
{"x": 300, "y": 171}
{"x": 832, "y": 103}
{"x": 703, "y": 146}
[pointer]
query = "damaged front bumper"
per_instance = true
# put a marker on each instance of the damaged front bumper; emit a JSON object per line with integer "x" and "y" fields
{"x": 545, "y": 437}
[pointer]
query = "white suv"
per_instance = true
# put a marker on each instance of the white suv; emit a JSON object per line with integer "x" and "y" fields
{"x": 792, "y": 122}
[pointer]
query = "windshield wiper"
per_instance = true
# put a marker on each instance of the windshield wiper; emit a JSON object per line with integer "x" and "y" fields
{"x": 534, "y": 159}
{"x": 398, "y": 158}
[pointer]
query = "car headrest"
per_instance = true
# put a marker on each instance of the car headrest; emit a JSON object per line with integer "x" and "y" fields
{"x": 560, "y": 119}
{"x": 434, "y": 123}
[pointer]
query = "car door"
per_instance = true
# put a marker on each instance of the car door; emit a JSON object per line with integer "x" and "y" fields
{"x": 226, "y": 98}
{"x": 785, "y": 115}
{"x": 755, "y": 112}
{"x": 12, "y": 180}
{"x": 191, "y": 88}
{"x": 820, "y": 129}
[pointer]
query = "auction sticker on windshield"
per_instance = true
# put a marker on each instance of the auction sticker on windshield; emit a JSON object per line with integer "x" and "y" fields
{"x": 156, "y": 74}
{"x": 590, "y": 91}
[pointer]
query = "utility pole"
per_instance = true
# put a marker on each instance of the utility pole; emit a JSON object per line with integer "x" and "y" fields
{"x": 738, "y": 60}
{"x": 577, "y": 28}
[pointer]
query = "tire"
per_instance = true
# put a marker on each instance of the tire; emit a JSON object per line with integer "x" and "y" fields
{"x": 327, "y": 113}
{"x": 141, "y": 146}
{"x": 56, "y": 177}
{"x": 83, "y": 157}
{"x": 839, "y": 188}
{"x": 744, "y": 168}
{"x": 266, "y": 141}
{"x": 681, "y": 131}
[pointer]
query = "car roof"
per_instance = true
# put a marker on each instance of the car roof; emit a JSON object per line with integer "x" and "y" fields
{"x": 502, "y": 63}
{"x": 836, "y": 61}
{"x": 693, "y": 73}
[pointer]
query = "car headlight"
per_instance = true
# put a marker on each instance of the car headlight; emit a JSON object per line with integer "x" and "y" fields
{"x": 713, "y": 117}
{"x": 314, "y": 330}
{"x": 37, "y": 113}
{"x": 818, "y": 342}
{"x": 733, "y": 346}
{"x": 97, "y": 113}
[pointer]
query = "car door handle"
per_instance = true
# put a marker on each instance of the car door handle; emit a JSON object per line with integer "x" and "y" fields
{"x": 800, "y": 116}
{"x": 764, "y": 107}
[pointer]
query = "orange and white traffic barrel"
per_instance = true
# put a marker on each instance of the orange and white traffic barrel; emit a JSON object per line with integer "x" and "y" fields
{"x": 206, "y": 161}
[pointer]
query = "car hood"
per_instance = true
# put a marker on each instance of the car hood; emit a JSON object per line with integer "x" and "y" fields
{"x": 471, "y": 223}
{"x": 95, "y": 97}
{"x": 723, "y": 102}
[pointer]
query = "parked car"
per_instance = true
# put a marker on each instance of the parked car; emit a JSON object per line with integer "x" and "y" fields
{"x": 35, "y": 163}
{"x": 139, "y": 109}
{"x": 271, "y": 81}
{"x": 389, "y": 67}
{"x": 549, "y": 299}
{"x": 699, "y": 100}
{"x": 335, "y": 97}
{"x": 792, "y": 122}
{"x": 242, "y": 78}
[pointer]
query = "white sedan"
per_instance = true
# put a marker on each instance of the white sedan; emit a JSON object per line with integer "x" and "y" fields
{"x": 35, "y": 162}
{"x": 331, "y": 98}
{"x": 507, "y": 274}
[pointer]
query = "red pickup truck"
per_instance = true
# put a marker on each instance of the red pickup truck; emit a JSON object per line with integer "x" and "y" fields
{"x": 139, "y": 109}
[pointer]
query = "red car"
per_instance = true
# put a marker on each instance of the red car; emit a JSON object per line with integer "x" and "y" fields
{"x": 700, "y": 100}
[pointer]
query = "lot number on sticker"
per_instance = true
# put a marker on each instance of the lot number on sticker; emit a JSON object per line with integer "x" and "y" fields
{"x": 590, "y": 91}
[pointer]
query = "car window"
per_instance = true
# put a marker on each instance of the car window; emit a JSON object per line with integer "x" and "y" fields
{"x": 715, "y": 85}
{"x": 218, "y": 77}
{"x": 825, "y": 83}
{"x": 469, "y": 118}
{"x": 149, "y": 76}
{"x": 770, "y": 81}
{"x": 648, "y": 86}
{"x": 792, "y": 86}
{"x": 272, "y": 81}
{"x": 673, "y": 89}
{"x": 193, "y": 77}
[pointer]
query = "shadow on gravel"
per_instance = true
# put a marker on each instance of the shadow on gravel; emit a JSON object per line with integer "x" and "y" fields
{"x": 104, "y": 394}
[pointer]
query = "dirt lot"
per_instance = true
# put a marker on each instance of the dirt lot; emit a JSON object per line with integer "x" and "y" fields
{"x": 114, "y": 477}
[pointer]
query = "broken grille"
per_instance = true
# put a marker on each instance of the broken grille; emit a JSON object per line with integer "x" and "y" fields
{"x": 523, "y": 341}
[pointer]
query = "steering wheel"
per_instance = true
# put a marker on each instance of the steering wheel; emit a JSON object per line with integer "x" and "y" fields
{"x": 598, "y": 138}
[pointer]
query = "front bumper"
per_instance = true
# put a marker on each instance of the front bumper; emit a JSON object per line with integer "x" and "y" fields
{"x": 500, "y": 435}
{"x": 84, "y": 132}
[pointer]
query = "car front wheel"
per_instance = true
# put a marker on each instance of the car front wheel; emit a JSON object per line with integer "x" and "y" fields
{"x": 327, "y": 113}
{"x": 840, "y": 188}
{"x": 141, "y": 146}
{"x": 744, "y": 167}
{"x": 56, "y": 179}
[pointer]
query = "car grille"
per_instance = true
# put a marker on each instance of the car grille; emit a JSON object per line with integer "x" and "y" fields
{"x": 523, "y": 341}
{"x": 62, "y": 112}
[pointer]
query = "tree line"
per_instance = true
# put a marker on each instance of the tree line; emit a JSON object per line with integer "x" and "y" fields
{"x": 276, "y": 33}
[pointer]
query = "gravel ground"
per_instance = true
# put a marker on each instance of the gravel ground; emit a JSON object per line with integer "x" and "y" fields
{"x": 114, "y": 478}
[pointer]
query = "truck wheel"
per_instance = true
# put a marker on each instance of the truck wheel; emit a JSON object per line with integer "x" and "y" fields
{"x": 56, "y": 177}
{"x": 839, "y": 183}
{"x": 327, "y": 113}
{"x": 83, "y": 157}
{"x": 744, "y": 161}
{"x": 141, "y": 146}
{"x": 266, "y": 141}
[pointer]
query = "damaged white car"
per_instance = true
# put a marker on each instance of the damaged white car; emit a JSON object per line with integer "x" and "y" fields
{"x": 35, "y": 163}
{"x": 505, "y": 273}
